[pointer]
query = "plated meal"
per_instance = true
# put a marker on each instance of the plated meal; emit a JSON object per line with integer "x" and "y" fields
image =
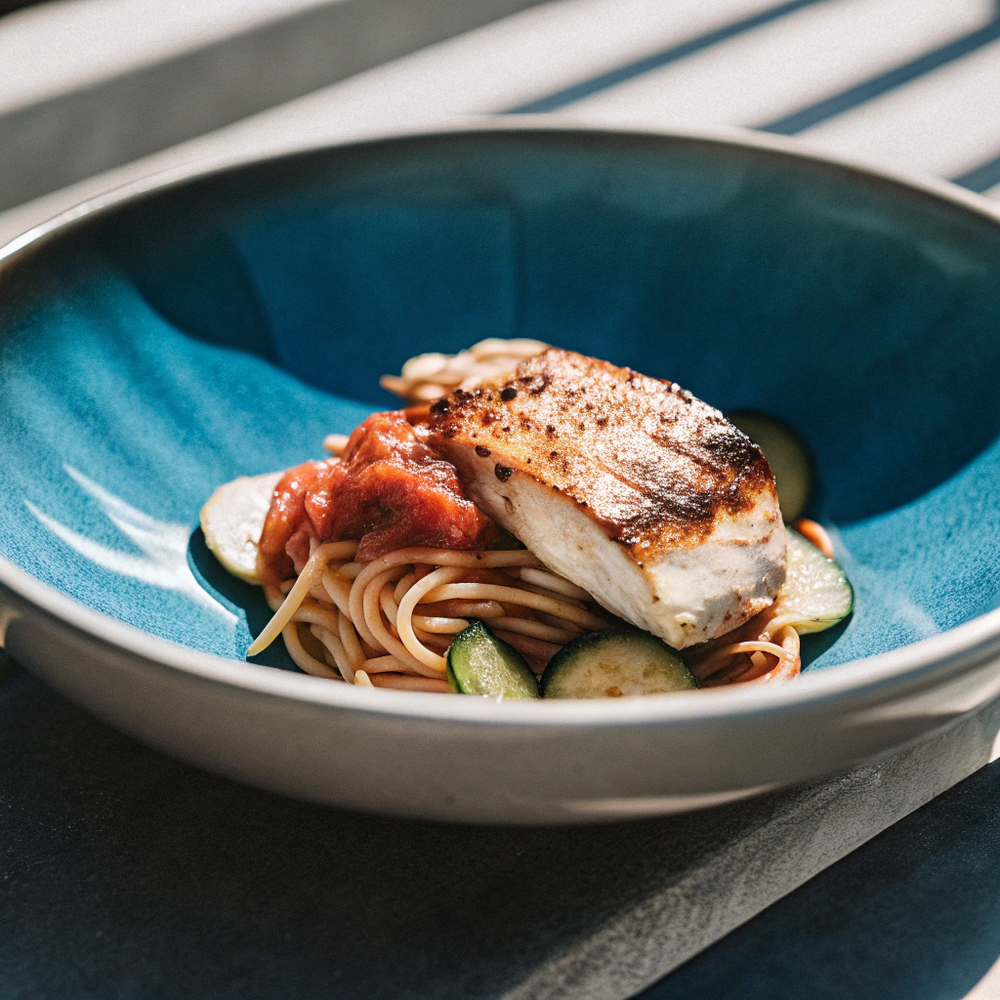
{"x": 177, "y": 335}
{"x": 537, "y": 523}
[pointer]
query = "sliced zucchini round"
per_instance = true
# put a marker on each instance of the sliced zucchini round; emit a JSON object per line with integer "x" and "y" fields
{"x": 615, "y": 663}
{"x": 788, "y": 455}
{"x": 816, "y": 593}
{"x": 480, "y": 663}
{"x": 233, "y": 519}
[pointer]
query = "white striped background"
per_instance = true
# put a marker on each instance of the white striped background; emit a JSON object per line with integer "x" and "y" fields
{"x": 912, "y": 85}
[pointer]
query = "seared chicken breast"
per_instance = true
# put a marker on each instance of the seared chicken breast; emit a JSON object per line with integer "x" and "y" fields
{"x": 628, "y": 486}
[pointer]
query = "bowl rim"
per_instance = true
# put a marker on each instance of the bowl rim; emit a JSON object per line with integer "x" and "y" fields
{"x": 925, "y": 664}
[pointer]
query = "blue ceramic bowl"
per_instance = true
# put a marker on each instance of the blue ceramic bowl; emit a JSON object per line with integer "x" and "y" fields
{"x": 164, "y": 340}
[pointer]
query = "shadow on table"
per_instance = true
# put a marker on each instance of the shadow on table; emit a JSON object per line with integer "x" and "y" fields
{"x": 126, "y": 874}
{"x": 912, "y": 915}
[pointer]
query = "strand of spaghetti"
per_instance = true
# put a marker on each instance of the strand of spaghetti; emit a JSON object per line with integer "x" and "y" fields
{"x": 720, "y": 669}
{"x": 332, "y": 642}
{"x": 717, "y": 671}
{"x": 550, "y": 581}
{"x": 532, "y": 588}
{"x": 371, "y": 598}
{"x": 303, "y": 660}
{"x": 438, "y": 624}
{"x": 388, "y": 604}
{"x": 792, "y": 642}
{"x": 404, "y": 621}
{"x": 788, "y": 638}
{"x": 556, "y": 622}
{"x": 314, "y": 613}
{"x": 426, "y": 556}
{"x": 349, "y": 639}
{"x": 738, "y": 670}
{"x": 442, "y": 626}
{"x": 338, "y": 590}
{"x": 758, "y": 645}
{"x": 761, "y": 673}
{"x": 402, "y": 586}
{"x": 428, "y": 637}
{"x": 732, "y": 673}
{"x": 384, "y": 664}
{"x": 445, "y": 557}
{"x": 720, "y": 659}
{"x": 319, "y": 558}
{"x": 372, "y": 613}
{"x": 430, "y": 376}
{"x": 356, "y": 612}
{"x": 405, "y": 682}
{"x": 462, "y": 609}
{"x": 513, "y": 347}
{"x": 784, "y": 670}
{"x": 366, "y": 618}
{"x": 436, "y": 641}
{"x": 532, "y": 648}
{"x": 327, "y": 656}
{"x": 369, "y": 649}
{"x": 537, "y": 630}
{"x": 513, "y": 595}
{"x": 755, "y": 671}
{"x": 704, "y": 664}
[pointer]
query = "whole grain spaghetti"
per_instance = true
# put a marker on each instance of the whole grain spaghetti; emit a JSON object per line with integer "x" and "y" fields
{"x": 388, "y": 622}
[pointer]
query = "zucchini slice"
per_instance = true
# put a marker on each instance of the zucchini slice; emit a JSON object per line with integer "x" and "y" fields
{"x": 816, "y": 593}
{"x": 788, "y": 455}
{"x": 232, "y": 520}
{"x": 480, "y": 663}
{"x": 615, "y": 664}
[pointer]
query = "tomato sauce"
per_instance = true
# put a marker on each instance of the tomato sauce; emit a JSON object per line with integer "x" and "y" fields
{"x": 389, "y": 490}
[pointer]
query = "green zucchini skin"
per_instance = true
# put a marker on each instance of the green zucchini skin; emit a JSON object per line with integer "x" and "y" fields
{"x": 788, "y": 455}
{"x": 479, "y": 663}
{"x": 615, "y": 663}
{"x": 816, "y": 594}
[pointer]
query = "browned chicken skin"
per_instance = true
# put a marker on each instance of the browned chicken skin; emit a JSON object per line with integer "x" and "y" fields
{"x": 629, "y": 486}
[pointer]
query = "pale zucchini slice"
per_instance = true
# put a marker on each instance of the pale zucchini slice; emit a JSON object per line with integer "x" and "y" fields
{"x": 790, "y": 459}
{"x": 480, "y": 663}
{"x": 615, "y": 663}
{"x": 816, "y": 593}
{"x": 232, "y": 521}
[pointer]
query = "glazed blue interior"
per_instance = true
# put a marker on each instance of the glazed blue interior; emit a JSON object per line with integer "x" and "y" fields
{"x": 225, "y": 326}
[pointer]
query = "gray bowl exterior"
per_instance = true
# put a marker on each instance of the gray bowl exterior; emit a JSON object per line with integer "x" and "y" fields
{"x": 461, "y": 759}
{"x": 572, "y": 769}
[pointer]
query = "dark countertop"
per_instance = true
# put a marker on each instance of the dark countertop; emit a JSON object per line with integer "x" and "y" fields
{"x": 124, "y": 874}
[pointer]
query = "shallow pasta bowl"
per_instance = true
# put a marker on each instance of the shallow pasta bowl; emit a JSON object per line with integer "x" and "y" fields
{"x": 176, "y": 334}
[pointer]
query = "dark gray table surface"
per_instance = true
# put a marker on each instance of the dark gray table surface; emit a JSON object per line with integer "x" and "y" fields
{"x": 124, "y": 874}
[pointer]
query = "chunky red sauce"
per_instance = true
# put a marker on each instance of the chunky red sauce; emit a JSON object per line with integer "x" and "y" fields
{"x": 389, "y": 490}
